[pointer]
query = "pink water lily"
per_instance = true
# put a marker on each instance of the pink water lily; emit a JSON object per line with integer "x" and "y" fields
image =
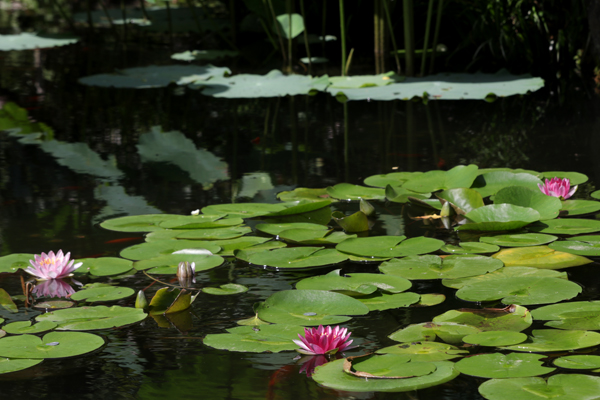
{"x": 558, "y": 187}
{"x": 51, "y": 266}
{"x": 323, "y": 340}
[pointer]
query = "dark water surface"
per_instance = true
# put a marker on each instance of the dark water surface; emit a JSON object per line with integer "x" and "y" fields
{"x": 249, "y": 150}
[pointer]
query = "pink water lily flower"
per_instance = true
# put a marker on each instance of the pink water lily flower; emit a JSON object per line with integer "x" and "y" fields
{"x": 558, "y": 188}
{"x": 323, "y": 340}
{"x": 51, "y": 266}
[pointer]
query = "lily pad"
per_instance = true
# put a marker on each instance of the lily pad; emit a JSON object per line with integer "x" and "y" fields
{"x": 313, "y": 238}
{"x": 108, "y": 293}
{"x": 92, "y": 318}
{"x": 52, "y": 345}
{"x": 214, "y": 233}
{"x": 575, "y": 178}
{"x": 348, "y": 192}
{"x": 200, "y": 221}
{"x": 566, "y": 226}
{"x": 145, "y": 251}
{"x": 388, "y": 366}
{"x": 495, "y": 339}
{"x": 361, "y": 81}
{"x": 430, "y": 299}
{"x": 462, "y": 200}
{"x": 290, "y": 25}
{"x": 503, "y": 273}
{"x": 271, "y": 338}
{"x": 8, "y": 365}
{"x": 401, "y": 195}
{"x": 520, "y": 290}
{"x": 389, "y": 246}
{"x": 169, "y": 264}
{"x": 558, "y": 387}
{"x": 449, "y": 332}
{"x": 461, "y": 176}
{"x": 574, "y": 315}
{"x": 499, "y": 217}
{"x": 12, "y": 262}
{"x": 6, "y": 302}
{"x": 434, "y": 267}
{"x": 297, "y": 257}
{"x": 276, "y": 229}
{"x": 497, "y": 365}
{"x": 578, "y": 362}
{"x": 357, "y": 222}
{"x": 229, "y": 246}
{"x": 137, "y": 223}
{"x": 539, "y": 257}
{"x": 491, "y": 183}
{"x": 575, "y": 247}
{"x": 579, "y": 207}
{"x": 548, "y": 340}
{"x": 203, "y": 55}
{"x": 30, "y": 41}
{"x": 22, "y": 327}
{"x": 470, "y": 248}
{"x": 226, "y": 289}
{"x": 355, "y": 284}
{"x": 385, "y": 301}
{"x": 170, "y": 301}
{"x": 425, "y": 351}
{"x": 304, "y": 194}
{"x": 309, "y": 307}
{"x": 243, "y": 210}
{"x": 518, "y": 239}
{"x": 104, "y": 266}
{"x": 512, "y": 318}
{"x": 393, "y": 179}
{"x": 547, "y": 206}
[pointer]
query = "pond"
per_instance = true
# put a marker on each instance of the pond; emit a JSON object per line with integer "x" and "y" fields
{"x": 111, "y": 152}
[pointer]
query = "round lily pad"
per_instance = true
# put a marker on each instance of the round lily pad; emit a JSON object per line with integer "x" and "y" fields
{"x": 309, "y": 307}
{"x": 595, "y": 195}
{"x": 200, "y": 221}
{"x": 503, "y": 273}
{"x": 137, "y": 223}
{"x": 228, "y": 288}
{"x": 462, "y": 200}
{"x": 21, "y": 327}
{"x": 243, "y": 210}
{"x": 145, "y": 251}
{"x": 12, "y": 262}
{"x": 304, "y": 194}
{"x": 347, "y": 191}
{"x": 492, "y": 182}
{"x": 512, "y": 318}
{"x": 104, "y": 266}
{"x": 355, "y": 284}
{"x": 315, "y": 238}
{"x": 425, "y": 351}
{"x": 397, "y": 194}
{"x": 54, "y": 304}
{"x": 434, "y": 267}
{"x": 214, "y": 233}
{"x": 461, "y": 176}
{"x": 393, "y": 178}
{"x": 52, "y": 345}
{"x": 389, "y": 246}
{"x": 332, "y": 375}
{"x": 575, "y": 178}
{"x": 470, "y": 248}
{"x": 520, "y": 290}
{"x": 566, "y": 226}
{"x": 574, "y": 315}
{"x": 539, "y": 257}
{"x": 449, "y": 332}
{"x": 547, "y": 206}
{"x": 547, "y": 340}
{"x": 276, "y": 229}
{"x": 387, "y": 301}
{"x": 578, "y": 362}
{"x": 518, "y": 239}
{"x": 389, "y": 366}
{"x": 256, "y": 339}
{"x": 558, "y": 387}
{"x": 575, "y": 247}
{"x": 579, "y": 207}
{"x": 168, "y": 264}
{"x": 499, "y": 217}
{"x": 430, "y": 299}
{"x": 497, "y": 365}
{"x": 297, "y": 257}
{"x": 8, "y": 365}
{"x": 106, "y": 293}
{"x": 92, "y": 318}
{"x": 228, "y": 246}
{"x": 495, "y": 339}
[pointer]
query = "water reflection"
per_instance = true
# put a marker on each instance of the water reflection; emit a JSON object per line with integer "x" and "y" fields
{"x": 52, "y": 288}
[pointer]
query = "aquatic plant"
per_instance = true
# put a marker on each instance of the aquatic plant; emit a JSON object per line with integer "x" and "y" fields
{"x": 323, "y": 340}
{"x": 558, "y": 187}
{"x": 52, "y": 266}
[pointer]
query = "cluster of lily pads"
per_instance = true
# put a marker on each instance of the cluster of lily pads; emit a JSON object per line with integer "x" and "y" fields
{"x": 517, "y": 235}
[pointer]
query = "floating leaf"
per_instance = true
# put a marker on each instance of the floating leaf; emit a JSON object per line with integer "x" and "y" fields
{"x": 313, "y": 237}
{"x": 200, "y": 221}
{"x": 513, "y": 318}
{"x": 104, "y": 266}
{"x": 539, "y": 257}
{"x": 492, "y": 182}
{"x": 578, "y": 362}
{"x": 355, "y": 284}
{"x": 357, "y": 222}
{"x": 54, "y": 305}
{"x": 361, "y": 81}
{"x": 6, "y": 302}
{"x": 449, "y": 332}
{"x": 470, "y": 248}
{"x": 167, "y": 301}
{"x": 547, "y": 340}
{"x": 137, "y": 223}
{"x": 503, "y": 273}
{"x": 309, "y": 307}
{"x": 559, "y": 387}
{"x": 348, "y": 192}
{"x": 518, "y": 239}
{"x": 12, "y": 262}
{"x": 203, "y": 55}
{"x": 22, "y": 327}
{"x": 433, "y": 267}
{"x": 566, "y": 226}
{"x": 425, "y": 351}
{"x": 8, "y": 365}
{"x": 393, "y": 179}
{"x": 228, "y": 288}
{"x": 579, "y": 248}
{"x": 297, "y": 257}
{"x": 243, "y": 210}
{"x": 91, "y": 318}
{"x": 462, "y": 200}
{"x": 499, "y": 217}
{"x": 214, "y": 233}
{"x": 398, "y": 194}
{"x": 430, "y": 299}
{"x": 495, "y": 339}
{"x": 388, "y": 366}
{"x": 461, "y": 176}
{"x": 103, "y": 294}
{"x": 304, "y": 194}
{"x": 145, "y": 251}
{"x": 276, "y": 229}
{"x": 496, "y": 365}
{"x": 256, "y": 339}
{"x": 547, "y": 206}
{"x": 579, "y": 207}
{"x": 389, "y": 246}
{"x": 575, "y": 178}
{"x": 29, "y": 41}
{"x": 574, "y": 315}
{"x": 384, "y": 301}
{"x": 169, "y": 264}
{"x": 299, "y": 207}
{"x": 52, "y": 345}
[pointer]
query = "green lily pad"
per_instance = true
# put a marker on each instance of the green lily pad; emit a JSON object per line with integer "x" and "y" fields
{"x": 12, "y": 262}
{"x": 385, "y": 301}
{"x": 558, "y": 387}
{"x": 243, "y": 210}
{"x": 579, "y": 248}
{"x": 357, "y": 222}
{"x": 449, "y": 332}
{"x": 393, "y": 179}
{"x": 595, "y": 195}
{"x": 297, "y": 257}
{"x": 575, "y": 178}
{"x": 214, "y": 233}
{"x": 92, "y": 318}
{"x": 499, "y": 217}
{"x": 200, "y": 221}
{"x": 398, "y": 194}
{"x": 470, "y": 248}
{"x": 309, "y": 307}
{"x": 104, "y": 266}
{"x": 389, "y": 246}
{"x": 513, "y": 318}
{"x": 566, "y": 226}
{"x": 348, "y": 192}
{"x": 332, "y": 375}
{"x": 518, "y": 239}
{"x": 461, "y": 176}
{"x": 290, "y": 25}
{"x": 361, "y": 81}
{"x": 497, "y": 365}
{"x": 503, "y": 273}
{"x": 578, "y": 362}
{"x": 355, "y": 284}
{"x": 109, "y": 293}
{"x": 52, "y": 345}
{"x": 6, "y": 302}
{"x": 271, "y": 338}
{"x": 30, "y": 41}
{"x": 245, "y": 253}
{"x": 54, "y": 305}
{"x": 22, "y": 327}
{"x": 137, "y": 223}
{"x": 579, "y": 207}
{"x": 574, "y": 315}
{"x": 462, "y": 200}
{"x": 203, "y": 55}
{"x": 276, "y": 229}
{"x": 425, "y": 351}
{"x": 171, "y": 301}
{"x": 495, "y": 339}
{"x": 539, "y": 257}
{"x": 492, "y": 182}
{"x": 299, "y": 207}
{"x": 313, "y": 238}
{"x": 430, "y": 299}
{"x": 169, "y": 264}
{"x": 392, "y": 366}
{"x": 145, "y": 251}
{"x": 226, "y": 289}
{"x": 304, "y": 194}
{"x": 547, "y": 206}
{"x": 547, "y": 340}
{"x": 8, "y": 365}
{"x": 434, "y": 267}
{"x": 428, "y": 204}
{"x": 520, "y": 290}
{"x": 229, "y": 246}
